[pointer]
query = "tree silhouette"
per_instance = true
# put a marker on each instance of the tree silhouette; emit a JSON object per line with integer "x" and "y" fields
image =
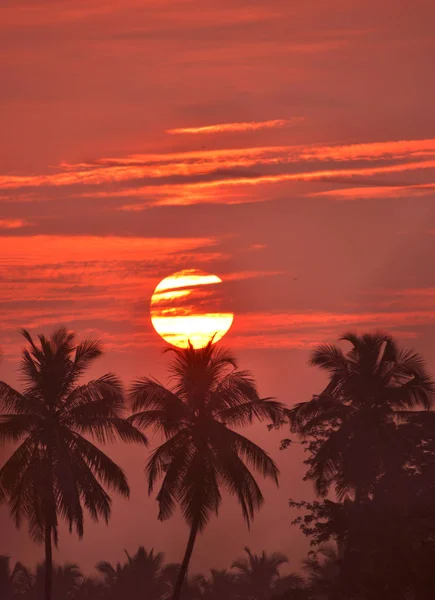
{"x": 353, "y": 419}
{"x": 143, "y": 575}
{"x": 221, "y": 583}
{"x": 291, "y": 587}
{"x": 202, "y": 454}
{"x": 10, "y": 579}
{"x": 322, "y": 568}
{"x": 91, "y": 588}
{"x": 259, "y": 573}
{"x": 358, "y": 443}
{"x": 55, "y": 471}
{"x": 67, "y": 580}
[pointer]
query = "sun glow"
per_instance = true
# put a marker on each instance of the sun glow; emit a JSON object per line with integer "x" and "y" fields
{"x": 186, "y": 307}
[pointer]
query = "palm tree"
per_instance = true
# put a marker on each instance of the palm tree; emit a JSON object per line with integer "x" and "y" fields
{"x": 354, "y": 418}
{"x": 6, "y": 577}
{"x": 144, "y": 574}
{"x": 112, "y": 578}
{"x": 55, "y": 471}
{"x": 91, "y": 589}
{"x": 220, "y": 584}
{"x": 67, "y": 580}
{"x": 10, "y": 579}
{"x": 259, "y": 573}
{"x": 202, "y": 453}
{"x": 146, "y": 571}
{"x": 291, "y": 587}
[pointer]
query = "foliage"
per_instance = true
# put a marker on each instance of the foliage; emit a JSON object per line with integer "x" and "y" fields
{"x": 145, "y": 574}
{"x": 366, "y": 437}
{"x": 202, "y": 453}
{"x": 56, "y": 472}
{"x": 370, "y": 443}
{"x": 352, "y": 423}
{"x": 258, "y": 574}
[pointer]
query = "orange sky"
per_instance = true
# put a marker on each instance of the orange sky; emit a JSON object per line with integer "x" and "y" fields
{"x": 288, "y": 147}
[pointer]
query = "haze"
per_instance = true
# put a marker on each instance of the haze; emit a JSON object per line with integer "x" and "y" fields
{"x": 288, "y": 147}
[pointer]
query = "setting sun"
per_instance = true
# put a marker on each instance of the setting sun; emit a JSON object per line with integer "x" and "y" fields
{"x": 186, "y": 307}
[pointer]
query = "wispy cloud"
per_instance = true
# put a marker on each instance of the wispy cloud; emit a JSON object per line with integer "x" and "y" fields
{"x": 53, "y": 249}
{"x": 375, "y": 192}
{"x": 205, "y": 192}
{"x": 235, "y": 127}
{"x": 187, "y": 164}
{"x": 12, "y": 223}
{"x": 306, "y": 329}
{"x": 230, "y": 175}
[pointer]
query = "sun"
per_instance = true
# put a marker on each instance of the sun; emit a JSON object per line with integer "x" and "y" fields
{"x": 188, "y": 307}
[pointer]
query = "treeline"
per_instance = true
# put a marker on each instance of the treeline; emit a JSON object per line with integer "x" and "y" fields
{"x": 145, "y": 574}
{"x": 369, "y": 437}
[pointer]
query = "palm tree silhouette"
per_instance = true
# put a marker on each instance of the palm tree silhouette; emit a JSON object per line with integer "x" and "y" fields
{"x": 202, "y": 454}
{"x": 259, "y": 573}
{"x": 354, "y": 418}
{"x": 56, "y": 472}
{"x": 67, "y": 580}
{"x": 291, "y": 587}
{"x": 10, "y": 579}
{"x": 91, "y": 588}
{"x": 220, "y": 584}
{"x": 112, "y": 577}
{"x": 144, "y": 574}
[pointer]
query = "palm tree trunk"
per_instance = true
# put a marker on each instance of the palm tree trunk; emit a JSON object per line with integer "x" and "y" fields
{"x": 181, "y": 577}
{"x": 48, "y": 563}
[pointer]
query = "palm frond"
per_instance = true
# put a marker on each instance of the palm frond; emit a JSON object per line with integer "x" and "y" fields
{"x": 329, "y": 358}
{"x": 148, "y": 394}
{"x": 92, "y": 494}
{"x": 248, "y": 451}
{"x": 108, "y": 429}
{"x": 17, "y": 463}
{"x": 13, "y": 401}
{"x": 170, "y": 488}
{"x": 164, "y": 454}
{"x": 24, "y": 478}
{"x": 99, "y": 463}
{"x": 246, "y": 413}
{"x": 237, "y": 387}
{"x": 106, "y": 568}
{"x": 238, "y": 481}
{"x": 100, "y": 397}
{"x": 66, "y": 488}
{"x": 199, "y": 493}
{"x": 85, "y": 354}
{"x": 14, "y": 427}
{"x": 322, "y": 405}
{"x": 160, "y": 420}
{"x": 415, "y": 393}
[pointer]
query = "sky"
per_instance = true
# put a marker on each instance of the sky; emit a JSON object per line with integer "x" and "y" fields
{"x": 287, "y": 147}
